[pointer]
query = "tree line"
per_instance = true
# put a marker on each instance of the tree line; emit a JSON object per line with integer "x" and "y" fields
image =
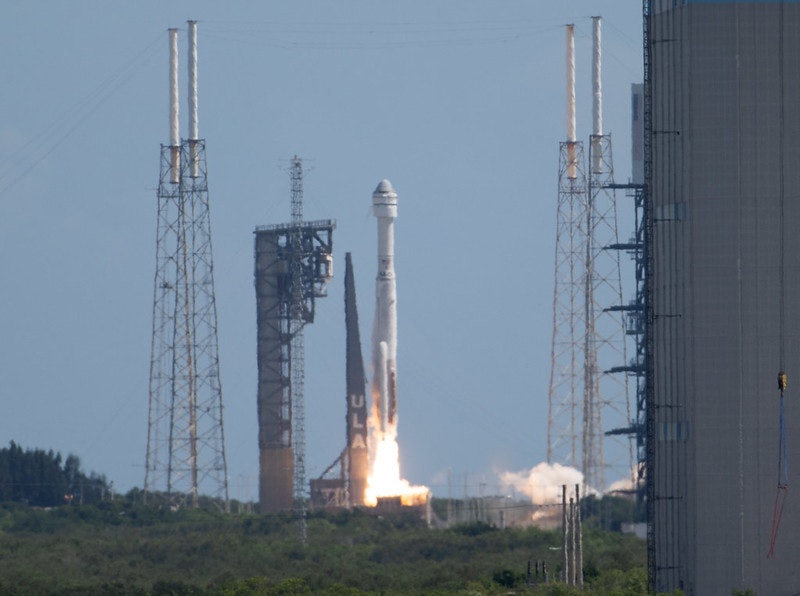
{"x": 43, "y": 479}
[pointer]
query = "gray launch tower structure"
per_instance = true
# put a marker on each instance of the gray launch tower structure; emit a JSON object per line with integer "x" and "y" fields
{"x": 723, "y": 188}
{"x": 293, "y": 264}
{"x": 185, "y": 438}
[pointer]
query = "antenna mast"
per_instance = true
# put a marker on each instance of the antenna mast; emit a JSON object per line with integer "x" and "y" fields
{"x": 297, "y": 347}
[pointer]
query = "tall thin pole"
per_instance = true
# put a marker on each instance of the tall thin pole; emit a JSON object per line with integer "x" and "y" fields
{"x": 565, "y": 533}
{"x": 572, "y": 570}
{"x": 597, "y": 96}
{"x": 174, "y": 126}
{"x": 572, "y": 164}
{"x": 578, "y": 537}
{"x": 194, "y": 133}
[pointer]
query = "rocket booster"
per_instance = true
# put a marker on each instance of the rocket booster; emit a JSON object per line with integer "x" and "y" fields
{"x": 384, "y": 332}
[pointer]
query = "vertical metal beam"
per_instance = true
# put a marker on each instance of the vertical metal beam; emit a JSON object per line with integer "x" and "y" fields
{"x": 648, "y": 304}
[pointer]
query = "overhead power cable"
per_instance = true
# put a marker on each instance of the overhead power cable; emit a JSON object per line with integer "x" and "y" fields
{"x": 44, "y": 143}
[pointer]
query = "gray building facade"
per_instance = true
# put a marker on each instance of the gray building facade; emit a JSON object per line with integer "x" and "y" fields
{"x": 723, "y": 177}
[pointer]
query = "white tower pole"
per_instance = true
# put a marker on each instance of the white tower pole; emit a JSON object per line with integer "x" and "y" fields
{"x": 174, "y": 133}
{"x": 597, "y": 93}
{"x": 193, "y": 127}
{"x": 572, "y": 166}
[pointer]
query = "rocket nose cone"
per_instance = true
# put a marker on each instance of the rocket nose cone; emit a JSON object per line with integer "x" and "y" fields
{"x": 384, "y": 193}
{"x": 384, "y": 186}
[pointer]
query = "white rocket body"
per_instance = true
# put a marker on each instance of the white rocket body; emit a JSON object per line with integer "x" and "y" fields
{"x": 384, "y": 331}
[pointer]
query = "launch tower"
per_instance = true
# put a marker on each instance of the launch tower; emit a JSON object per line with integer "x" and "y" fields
{"x": 185, "y": 438}
{"x": 293, "y": 264}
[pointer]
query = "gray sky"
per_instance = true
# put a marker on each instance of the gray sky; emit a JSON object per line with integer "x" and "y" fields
{"x": 460, "y": 103}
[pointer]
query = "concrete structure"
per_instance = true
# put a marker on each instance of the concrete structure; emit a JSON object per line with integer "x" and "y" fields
{"x": 722, "y": 155}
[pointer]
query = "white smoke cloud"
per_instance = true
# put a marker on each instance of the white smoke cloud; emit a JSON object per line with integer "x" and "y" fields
{"x": 543, "y": 482}
{"x": 623, "y": 485}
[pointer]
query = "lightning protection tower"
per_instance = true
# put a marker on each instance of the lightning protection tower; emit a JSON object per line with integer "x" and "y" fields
{"x": 606, "y": 387}
{"x": 185, "y": 437}
{"x": 564, "y": 419}
{"x": 589, "y": 338}
{"x": 293, "y": 264}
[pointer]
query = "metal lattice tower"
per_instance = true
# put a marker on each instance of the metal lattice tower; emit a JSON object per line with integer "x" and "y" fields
{"x": 607, "y": 391}
{"x": 565, "y": 394}
{"x": 636, "y": 327}
{"x": 589, "y": 336}
{"x": 185, "y": 439}
{"x": 293, "y": 267}
{"x": 564, "y": 419}
{"x": 297, "y": 349}
{"x": 607, "y": 387}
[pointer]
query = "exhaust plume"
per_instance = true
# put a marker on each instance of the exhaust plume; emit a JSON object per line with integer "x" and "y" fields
{"x": 543, "y": 482}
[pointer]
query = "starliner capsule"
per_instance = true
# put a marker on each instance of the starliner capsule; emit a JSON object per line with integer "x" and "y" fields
{"x": 384, "y": 331}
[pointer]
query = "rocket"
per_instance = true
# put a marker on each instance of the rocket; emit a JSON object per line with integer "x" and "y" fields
{"x": 384, "y": 331}
{"x": 357, "y": 437}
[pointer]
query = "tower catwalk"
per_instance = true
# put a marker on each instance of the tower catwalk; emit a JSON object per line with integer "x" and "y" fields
{"x": 293, "y": 264}
{"x": 185, "y": 439}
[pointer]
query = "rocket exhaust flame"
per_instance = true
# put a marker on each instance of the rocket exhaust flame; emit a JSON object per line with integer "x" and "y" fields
{"x": 384, "y": 477}
{"x": 385, "y": 480}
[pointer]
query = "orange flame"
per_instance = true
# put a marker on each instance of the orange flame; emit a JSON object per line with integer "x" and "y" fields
{"x": 384, "y": 479}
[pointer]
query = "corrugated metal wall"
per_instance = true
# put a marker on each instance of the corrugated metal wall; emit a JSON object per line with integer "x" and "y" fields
{"x": 725, "y": 192}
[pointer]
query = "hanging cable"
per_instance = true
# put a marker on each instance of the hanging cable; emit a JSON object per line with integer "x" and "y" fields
{"x": 783, "y": 473}
{"x": 783, "y": 468}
